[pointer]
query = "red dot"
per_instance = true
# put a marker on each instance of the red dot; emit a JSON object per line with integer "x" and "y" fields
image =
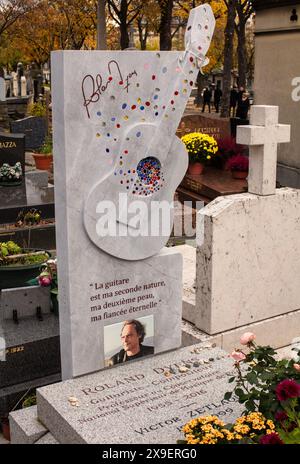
{"x": 191, "y": 59}
{"x": 121, "y": 82}
{"x": 126, "y": 151}
{"x": 110, "y": 78}
{"x": 118, "y": 126}
{"x": 147, "y": 103}
{"x": 153, "y": 77}
{"x": 133, "y": 171}
{"x": 164, "y": 107}
{"x": 133, "y": 107}
{"x": 192, "y": 83}
{"x": 176, "y": 93}
{"x": 199, "y": 48}
{"x": 172, "y": 102}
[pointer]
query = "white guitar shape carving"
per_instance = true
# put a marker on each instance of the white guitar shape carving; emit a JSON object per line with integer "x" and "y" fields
{"x": 156, "y": 159}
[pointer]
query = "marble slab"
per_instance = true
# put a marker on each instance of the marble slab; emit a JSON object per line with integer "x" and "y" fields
{"x": 144, "y": 402}
{"x": 248, "y": 265}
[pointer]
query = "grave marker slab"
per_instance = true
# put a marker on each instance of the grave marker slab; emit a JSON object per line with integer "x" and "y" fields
{"x": 144, "y": 402}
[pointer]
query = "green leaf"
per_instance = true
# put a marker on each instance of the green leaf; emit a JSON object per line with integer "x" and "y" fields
{"x": 227, "y": 395}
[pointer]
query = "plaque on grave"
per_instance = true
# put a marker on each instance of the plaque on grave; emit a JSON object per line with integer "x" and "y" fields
{"x": 147, "y": 401}
{"x": 219, "y": 128}
{"x": 12, "y": 149}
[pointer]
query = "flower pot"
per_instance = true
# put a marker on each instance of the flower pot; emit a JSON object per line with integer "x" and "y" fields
{"x": 18, "y": 275}
{"x": 195, "y": 169}
{"x": 42, "y": 162}
{"x": 239, "y": 174}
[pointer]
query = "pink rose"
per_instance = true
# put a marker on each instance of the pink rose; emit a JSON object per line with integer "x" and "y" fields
{"x": 238, "y": 356}
{"x": 44, "y": 281}
{"x": 296, "y": 366}
{"x": 247, "y": 338}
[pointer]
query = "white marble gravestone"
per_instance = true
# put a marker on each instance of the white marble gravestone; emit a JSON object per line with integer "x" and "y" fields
{"x": 2, "y": 89}
{"x": 23, "y": 86}
{"x": 15, "y": 84}
{"x": 115, "y": 116}
{"x": 248, "y": 248}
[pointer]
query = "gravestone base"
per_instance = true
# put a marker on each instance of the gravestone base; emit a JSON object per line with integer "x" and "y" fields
{"x": 145, "y": 401}
{"x": 25, "y": 427}
{"x": 278, "y": 331}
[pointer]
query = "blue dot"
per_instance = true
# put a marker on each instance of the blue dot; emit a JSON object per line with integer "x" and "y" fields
{"x": 99, "y": 113}
{"x": 113, "y": 119}
{"x": 138, "y": 134}
{"x": 121, "y": 172}
{"x": 142, "y": 108}
{"x": 108, "y": 135}
{"x": 124, "y": 106}
{"x": 155, "y": 97}
{"x": 115, "y": 173}
{"x": 156, "y": 114}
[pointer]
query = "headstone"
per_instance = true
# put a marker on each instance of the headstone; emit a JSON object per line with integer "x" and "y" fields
{"x": 276, "y": 34}
{"x": 32, "y": 350}
{"x": 146, "y": 401}
{"x": 262, "y": 136}
{"x": 124, "y": 107}
{"x": 23, "y": 86}
{"x": 15, "y": 84}
{"x": 215, "y": 127}
{"x": 12, "y": 149}
{"x": 20, "y": 73}
{"x": 34, "y": 128}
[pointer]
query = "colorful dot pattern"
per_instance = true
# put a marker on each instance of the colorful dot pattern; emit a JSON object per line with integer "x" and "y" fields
{"x": 146, "y": 178}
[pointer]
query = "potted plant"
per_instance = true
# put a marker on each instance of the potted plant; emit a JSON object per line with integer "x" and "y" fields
{"x": 18, "y": 266}
{"x": 43, "y": 156}
{"x": 201, "y": 149}
{"x": 239, "y": 166}
{"x": 227, "y": 147}
{"x": 11, "y": 175}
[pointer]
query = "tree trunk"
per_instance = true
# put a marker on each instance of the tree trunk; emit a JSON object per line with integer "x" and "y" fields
{"x": 242, "y": 60}
{"x": 143, "y": 33}
{"x": 228, "y": 58}
{"x": 165, "y": 33}
{"x": 124, "y": 40}
{"x": 101, "y": 25}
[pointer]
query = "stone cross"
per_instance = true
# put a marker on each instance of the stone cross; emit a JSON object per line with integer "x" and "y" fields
{"x": 262, "y": 136}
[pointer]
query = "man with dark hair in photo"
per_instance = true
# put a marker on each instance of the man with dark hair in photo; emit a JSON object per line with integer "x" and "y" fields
{"x": 132, "y": 337}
